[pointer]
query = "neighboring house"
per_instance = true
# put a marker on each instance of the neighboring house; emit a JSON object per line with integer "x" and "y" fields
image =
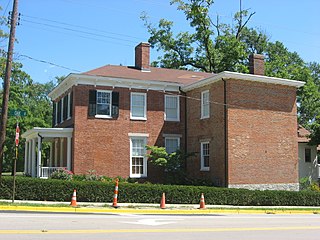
{"x": 308, "y": 161}
{"x": 243, "y": 127}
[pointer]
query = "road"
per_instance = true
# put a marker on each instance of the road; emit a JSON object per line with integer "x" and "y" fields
{"x": 55, "y": 226}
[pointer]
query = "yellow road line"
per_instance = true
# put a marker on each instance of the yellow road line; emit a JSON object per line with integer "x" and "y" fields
{"x": 99, "y": 231}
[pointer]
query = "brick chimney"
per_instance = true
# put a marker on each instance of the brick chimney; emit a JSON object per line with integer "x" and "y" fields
{"x": 256, "y": 64}
{"x": 142, "y": 56}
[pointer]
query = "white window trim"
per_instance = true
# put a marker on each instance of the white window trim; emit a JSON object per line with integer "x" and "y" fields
{"x": 103, "y": 115}
{"x": 68, "y": 110}
{"x": 144, "y": 109}
{"x": 172, "y": 137}
{"x": 178, "y": 109}
{"x": 144, "y": 174}
{"x": 202, "y": 105}
{"x": 202, "y": 167}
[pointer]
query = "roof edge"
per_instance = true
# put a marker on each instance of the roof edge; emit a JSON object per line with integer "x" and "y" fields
{"x": 244, "y": 76}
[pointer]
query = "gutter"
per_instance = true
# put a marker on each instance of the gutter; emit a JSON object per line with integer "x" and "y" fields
{"x": 185, "y": 128}
{"x": 225, "y": 132}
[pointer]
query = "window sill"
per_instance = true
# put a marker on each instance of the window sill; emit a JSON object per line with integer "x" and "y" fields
{"x": 172, "y": 120}
{"x": 206, "y": 117}
{"x": 205, "y": 169}
{"x": 138, "y": 118}
{"x": 103, "y": 116}
{"x": 138, "y": 176}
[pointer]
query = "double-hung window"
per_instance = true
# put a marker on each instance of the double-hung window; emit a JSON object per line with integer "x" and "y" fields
{"x": 307, "y": 155}
{"x": 205, "y": 156}
{"x": 138, "y": 159}
{"x": 138, "y": 106}
{"x": 172, "y": 108}
{"x": 104, "y": 103}
{"x": 205, "y": 104}
{"x": 172, "y": 144}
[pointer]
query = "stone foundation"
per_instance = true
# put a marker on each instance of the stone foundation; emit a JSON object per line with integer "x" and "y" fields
{"x": 275, "y": 186}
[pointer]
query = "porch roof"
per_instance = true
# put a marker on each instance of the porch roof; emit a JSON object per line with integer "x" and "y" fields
{"x": 47, "y": 133}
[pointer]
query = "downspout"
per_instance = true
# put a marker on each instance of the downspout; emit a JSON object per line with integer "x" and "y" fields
{"x": 225, "y": 132}
{"x": 185, "y": 128}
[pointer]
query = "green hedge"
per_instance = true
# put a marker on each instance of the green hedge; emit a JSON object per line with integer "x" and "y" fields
{"x": 59, "y": 190}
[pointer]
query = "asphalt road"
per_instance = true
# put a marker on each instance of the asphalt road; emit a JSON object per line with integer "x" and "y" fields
{"x": 24, "y": 225}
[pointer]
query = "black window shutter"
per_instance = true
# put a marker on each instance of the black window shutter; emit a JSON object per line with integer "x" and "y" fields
{"x": 115, "y": 104}
{"x": 59, "y": 112}
{"x": 54, "y": 114}
{"x": 65, "y": 107}
{"x": 92, "y": 103}
{"x": 71, "y": 103}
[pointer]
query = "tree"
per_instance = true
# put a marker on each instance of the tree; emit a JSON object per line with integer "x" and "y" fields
{"x": 172, "y": 164}
{"x": 25, "y": 94}
{"x": 212, "y": 47}
{"x": 215, "y": 47}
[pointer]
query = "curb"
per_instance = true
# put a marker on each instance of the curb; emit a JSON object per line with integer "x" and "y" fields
{"x": 155, "y": 211}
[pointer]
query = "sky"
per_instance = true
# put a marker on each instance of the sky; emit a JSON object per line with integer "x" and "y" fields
{"x": 58, "y": 37}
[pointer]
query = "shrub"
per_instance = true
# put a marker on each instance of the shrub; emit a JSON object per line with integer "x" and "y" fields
{"x": 95, "y": 191}
{"x": 62, "y": 174}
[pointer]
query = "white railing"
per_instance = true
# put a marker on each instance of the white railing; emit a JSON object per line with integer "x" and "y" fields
{"x": 47, "y": 171}
{"x": 318, "y": 168}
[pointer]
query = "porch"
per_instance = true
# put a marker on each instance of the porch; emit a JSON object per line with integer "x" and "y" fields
{"x": 41, "y": 164}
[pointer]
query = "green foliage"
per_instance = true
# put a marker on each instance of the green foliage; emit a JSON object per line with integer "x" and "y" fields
{"x": 212, "y": 46}
{"x": 32, "y": 97}
{"x": 172, "y": 164}
{"x": 95, "y": 191}
{"x": 62, "y": 174}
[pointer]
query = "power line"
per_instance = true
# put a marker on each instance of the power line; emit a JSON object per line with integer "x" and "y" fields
{"x": 50, "y": 63}
{"x": 78, "y": 31}
{"x": 79, "y": 26}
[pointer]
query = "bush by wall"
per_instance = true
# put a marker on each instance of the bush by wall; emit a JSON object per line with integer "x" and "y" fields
{"x": 59, "y": 190}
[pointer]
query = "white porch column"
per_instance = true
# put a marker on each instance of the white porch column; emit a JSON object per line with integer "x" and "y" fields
{"x": 26, "y": 158}
{"x": 55, "y": 152}
{"x": 30, "y": 157}
{"x": 61, "y": 152}
{"x": 33, "y": 159}
{"x": 39, "y": 157}
{"x": 69, "y": 153}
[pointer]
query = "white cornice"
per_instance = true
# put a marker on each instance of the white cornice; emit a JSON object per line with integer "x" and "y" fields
{"x": 47, "y": 133}
{"x": 246, "y": 77}
{"x": 82, "y": 79}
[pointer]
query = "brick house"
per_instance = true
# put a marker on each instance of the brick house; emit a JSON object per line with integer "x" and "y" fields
{"x": 242, "y": 127}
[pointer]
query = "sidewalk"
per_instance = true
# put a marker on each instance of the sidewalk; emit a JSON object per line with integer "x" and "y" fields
{"x": 146, "y": 208}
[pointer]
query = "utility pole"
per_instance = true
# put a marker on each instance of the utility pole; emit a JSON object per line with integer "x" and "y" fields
{"x": 6, "y": 82}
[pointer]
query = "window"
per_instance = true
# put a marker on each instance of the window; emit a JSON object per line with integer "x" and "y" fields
{"x": 205, "y": 155}
{"x": 172, "y": 144}
{"x": 205, "y": 104}
{"x": 103, "y": 104}
{"x": 307, "y": 155}
{"x": 171, "y": 108}
{"x": 138, "y": 159}
{"x": 138, "y": 106}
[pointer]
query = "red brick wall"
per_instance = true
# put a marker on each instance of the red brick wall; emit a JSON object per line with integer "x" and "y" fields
{"x": 103, "y": 144}
{"x": 262, "y": 133}
{"x": 211, "y": 129}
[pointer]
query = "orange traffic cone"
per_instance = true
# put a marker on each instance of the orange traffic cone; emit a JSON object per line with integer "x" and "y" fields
{"x": 163, "y": 201}
{"x": 115, "y": 196}
{"x": 74, "y": 199}
{"x": 202, "y": 204}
